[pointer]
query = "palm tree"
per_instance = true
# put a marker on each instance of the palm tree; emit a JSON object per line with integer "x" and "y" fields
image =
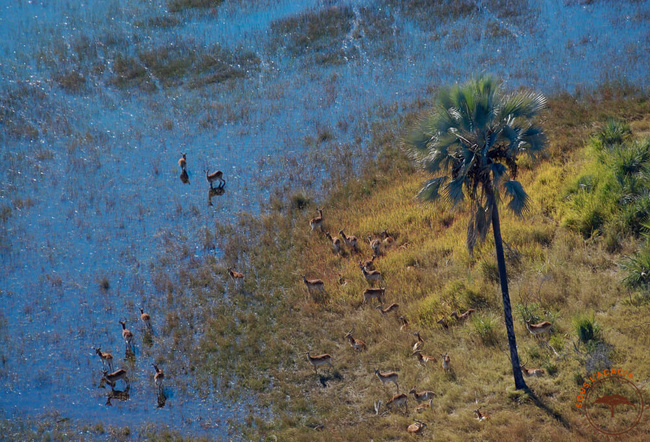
{"x": 471, "y": 142}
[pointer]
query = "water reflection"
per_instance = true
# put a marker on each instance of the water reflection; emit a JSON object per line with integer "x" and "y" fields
{"x": 161, "y": 399}
{"x": 185, "y": 178}
{"x": 119, "y": 395}
{"x": 216, "y": 191}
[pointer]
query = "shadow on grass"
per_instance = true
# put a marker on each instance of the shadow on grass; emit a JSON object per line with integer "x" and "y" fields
{"x": 336, "y": 376}
{"x": 548, "y": 410}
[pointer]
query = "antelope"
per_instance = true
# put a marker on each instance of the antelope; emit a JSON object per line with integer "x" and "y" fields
{"x": 127, "y": 335}
{"x": 319, "y": 360}
{"x": 532, "y": 372}
{"x": 236, "y": 276}
{"x": 215, "y": 176}
{"x": 416, "y": 427}
{"x": 464, "y": 316}
{"x": 350, "y": 241}
{"x": 185, "y": 178}
{"x": 145, "y": 318}
{"x": 370, "y": 293}
{"x": 182, "y": 162}
{"x": 388, "y": 239}
{"x": 399, "y": 399}
{"x": 539, "y": 329}
{"x": 313, "y": 284}
{"x": 481, "y": 416}
{"x": 370, "y": 263}
{"x": 422, "y": 396}
{"x": 389, "y": 376}
{"x": 357, "y": 344}
{"x": 446, "y": 360}
{"x": 158, "y": 377}
{"x": 420, "y": 342}
{"x": 390, "y": 308}
{"x": 370, "y": 275}
{"x": 336, "y": 242}
{"x": 405, "y": 323}
{"x": 106, "y": 357}
{"x": 317, "y": 221}
{"x": 112, "y": 378}
{"x": 375, "y": 245}
{"x": 420, "y": 408}
{"x": 423, "y": 359}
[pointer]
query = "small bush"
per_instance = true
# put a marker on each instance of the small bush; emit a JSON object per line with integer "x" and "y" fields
{"x": 586, "y": 328}
{"x": 485, "y": 326}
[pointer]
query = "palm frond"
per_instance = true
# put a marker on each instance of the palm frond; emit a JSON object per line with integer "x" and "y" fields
{"x": 470, "y": 241}
{"x": 431, "y": 189}
{"x": 454, "y": 190}
{"x": 519, "y": 199}
{"x": 522, "y": 105}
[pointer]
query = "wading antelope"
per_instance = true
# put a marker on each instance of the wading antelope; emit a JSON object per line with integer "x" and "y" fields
{"x": 182, "y": 162}
{"x": 127, "y": 335}
{"x": 145, "y": 318}
{"x": 313, "y": 285}
{"x": 370, "y": 293}
{"x": 185, "y": 178}
{"x": 399, "y": 399}
{"x": 422, "y": 396}
{"x": 370, "y": 275}
{"x": 336, "y": 242}
{"x": 317, "y": 221}
{"x": 422, "y": 407}
{"x": 236, "y": 276}
{"x": 464, "y": 316}
{"x": 112, "y": 378}
{"x": 446, "y": 362}
{"x": 375, "y": 245}
{"x": 391, "y": 308}
{"x": 388, "y": 376}
{"x": 357, "y": 344}
{"x": 539, "y": 329}
{"x": 106, "y": 357}
{"x": 481, "y": 416}
{"x": 350, "y": 241}
{"x": 370, "y": 263}
{"x": 319, "y": 360}
{"x": 419, "y": 343}
{"x": 215, "y": 176}
{"x": 158, "y": 377}
{"x": 404, "y": 322}
{"x": 423, "y": 359}
{"x": 416, "y": 427}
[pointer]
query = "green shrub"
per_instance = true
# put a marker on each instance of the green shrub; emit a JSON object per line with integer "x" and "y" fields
{"x": 586, "y": 328}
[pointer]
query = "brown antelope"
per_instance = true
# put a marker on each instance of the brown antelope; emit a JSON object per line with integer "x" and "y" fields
{"x": 145, "y": 318}
{"x": 481, "y": 416}
{"x": 388, "y": 239}
{"x": 357, "y": 344}
{"x": 370, "y": 293}
{"x": 112, "y": 378}
{"x": 391, "y": 308}
{"x": 446, "y": 362}
{"x": 419, "y": 343}
{"x": 236, "y": 276}
{"x": 317, "y": 221}
{"x": 399, "y": 399}
{"x": 388, "y": 376}
{"x": 106, "y": 357}
{"x": 127, "y": 335}
{"x": 370, "y": 275}
{"x": 539, "y": 329}
{"x": 369, "y": 263}
{"x": 404, "y": 322}
{"x": 416, "y": 427}
{"x": 422, "y": 396}
{"x": 182, "y": 162}
{"x": 464, "y": 316}
{"x": 375, "y": 245}
{"x": 350, "y": 241}
{"x": 336, "y": 242}
{"x": 422, "y": 407}
{"x": 158, "y": 377}
{"x": 215, "y": 176}
{"x": 313, "y": 285}
{"x": 319, "y": 360}
{"x": 532, "y": 372}
{"x": 423, "y": 359}
{"x": 185, "y": 178}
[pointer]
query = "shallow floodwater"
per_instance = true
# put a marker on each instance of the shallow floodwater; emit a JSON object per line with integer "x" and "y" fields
{"x": 91, "y": 194}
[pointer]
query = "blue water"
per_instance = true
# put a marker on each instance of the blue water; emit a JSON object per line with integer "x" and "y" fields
{"x": 95, "y": 190}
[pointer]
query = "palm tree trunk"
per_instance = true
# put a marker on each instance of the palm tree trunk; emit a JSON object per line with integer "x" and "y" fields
{"x": 520, "y": 384}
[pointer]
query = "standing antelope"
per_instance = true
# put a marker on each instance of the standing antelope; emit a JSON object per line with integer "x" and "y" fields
{"x": 391, "y": 308}
{"x": 388, "y": 376}
{"x": 158, "y": 377}
{"x": 446, "y": 362}
{"x": 422, "y": 396}
{"x": 215, "y": 176}
{"x": 464, "y": 316}
{"x": 370, "y": 263}
{"x": 357, "y": 344}
{"x": 350, "y": 241}
{"x": 145, "y": 318}
{"x": 423, "y": 359}
{"x": 375, "y": 245}
{"x": 419, "y": 343}
{"x": 370, "y": 293}
{"x": 317, "y": 221}
{"x": 416, "y": 427}
{"x": 539, "y": 329}
{"x": 182, "y": 162}
{"x": 336, "y": 242}
{"x": 313, "y": 285}
{"x": 127, "y": 335}
{"x": 319, "y": 360}
{"x": 399, "y": 399}
{"x": 106, "y": 357}
{"x": 370, "y": 275}
{"x": 236, "y": 276}
{"x": 112, "y": 378}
